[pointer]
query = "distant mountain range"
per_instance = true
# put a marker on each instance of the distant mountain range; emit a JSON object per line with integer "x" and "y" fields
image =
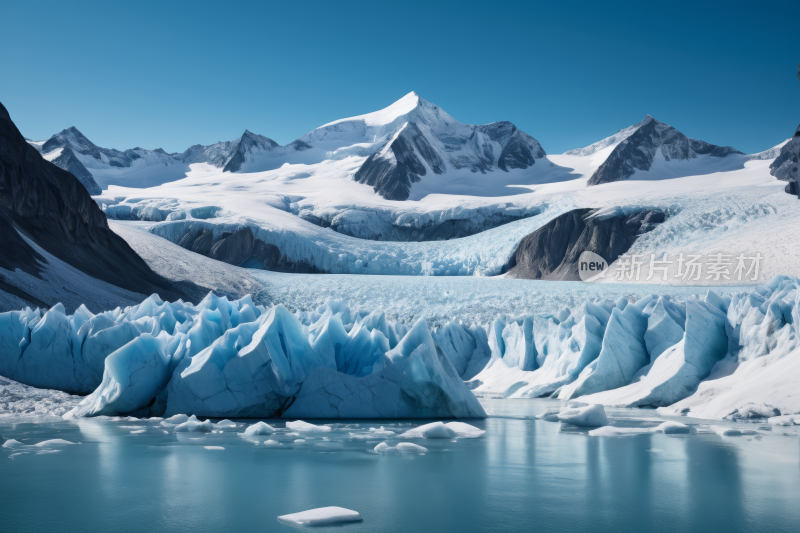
{"x": 407, "y": 150}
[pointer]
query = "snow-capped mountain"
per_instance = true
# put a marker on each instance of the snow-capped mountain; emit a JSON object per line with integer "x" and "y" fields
{"x": 613, "y": 140}
{"x": 414, "y": 138}
{"x": 65, "y": 159}
{"x": 229, "y": 155}
{"x": 638, "y": 147}
{"x": 410, "y": 142}
{"x": 139, "y": 167}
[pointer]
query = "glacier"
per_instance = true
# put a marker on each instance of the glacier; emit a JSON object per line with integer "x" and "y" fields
{"x": 226, "y": 358}
{"x": 733, "y": 356}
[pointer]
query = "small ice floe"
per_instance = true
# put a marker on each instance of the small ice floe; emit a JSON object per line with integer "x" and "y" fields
{"x": 381, "y": 432}
{"x": 271, "y": 442}
{"x": 668, "y": 428}
{"x": 305, "y": 427}
{"x": 138, "y": 431}
{"x": 299, "y": 441}
{"x": 440, "y": 430}
{"x": 214, "y": 447}
{"x": 324, "y": 516}
{"x": 588, "y": 416}
{"x": 733, "y": 432}
{"x": 259, "y": 428}
{"x": 402, "y": 447}
{"x": 223, "y": 424}
{"x": 193, "y": 425}
{"x": 46, "y": 446}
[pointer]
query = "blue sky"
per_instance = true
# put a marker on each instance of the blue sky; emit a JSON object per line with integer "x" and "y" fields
{"x": 170, "y": 74}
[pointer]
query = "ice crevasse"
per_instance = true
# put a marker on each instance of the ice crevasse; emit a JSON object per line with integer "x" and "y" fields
{"x": 235, "y": 359}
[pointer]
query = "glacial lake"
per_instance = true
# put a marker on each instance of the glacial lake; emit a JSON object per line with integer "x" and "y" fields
{"x": 521, "y": 475}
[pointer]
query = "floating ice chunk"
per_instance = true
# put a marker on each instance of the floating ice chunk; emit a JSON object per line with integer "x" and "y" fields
{"x": 271, "y": 442}
{"x": 785, "y": 420}
{"x": 53, "y": 442}
{"x": 305, "y": 427}
{"x": 612, "y": 431}
{"x": 403, "y": 447}
{"x": 465, "y": 430}
{"x": 439, "y": 430}
{"x": 381, "y": 432}
{"x": 434, "y": 430}
{"x": 259, "y": 428}
{"x": 174, "y": 420}
{"x": 12, "y": 443}
{"x": 214, "y": 447}
{"x": 225, "y": 424}
{"x": 675, "y": 428}
{"x": 668, "y": 428}
{"x": 299, "y": 441}
{"x": 323, "y": 516}
{"x": 194, "y": 426}
{"x": 138, "y": 431}
{"x": 589, "y": 416}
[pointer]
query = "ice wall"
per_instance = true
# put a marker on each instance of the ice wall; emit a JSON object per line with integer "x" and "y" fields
{"x": 719, "y": 357}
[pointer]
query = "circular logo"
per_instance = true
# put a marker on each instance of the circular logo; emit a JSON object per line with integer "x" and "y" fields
{"x": 591, "y": 266}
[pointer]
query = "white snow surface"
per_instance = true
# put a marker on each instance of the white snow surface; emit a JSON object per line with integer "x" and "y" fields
{"x": 725, "y": 205}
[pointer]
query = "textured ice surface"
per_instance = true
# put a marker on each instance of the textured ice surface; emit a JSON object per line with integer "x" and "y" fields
{"x": 18, "y": 400}
{"x": 232, "y": 358}
{"x": 323, "y": 516}
{"x": 440, "y": 430}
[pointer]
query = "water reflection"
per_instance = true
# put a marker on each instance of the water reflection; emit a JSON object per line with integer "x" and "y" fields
{"x": 522, "y": 474}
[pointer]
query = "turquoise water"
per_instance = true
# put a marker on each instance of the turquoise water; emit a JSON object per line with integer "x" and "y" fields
{"x": 522, "y": 475}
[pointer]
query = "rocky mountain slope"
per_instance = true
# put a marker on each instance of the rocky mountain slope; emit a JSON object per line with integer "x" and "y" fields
{"x": 45, "y": 212}
{"x": 639, "y": 150}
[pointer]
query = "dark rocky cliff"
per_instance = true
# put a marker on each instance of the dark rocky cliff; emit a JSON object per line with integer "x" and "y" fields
{"x": 53, "y": 209}
{"x": 552, "y": 251}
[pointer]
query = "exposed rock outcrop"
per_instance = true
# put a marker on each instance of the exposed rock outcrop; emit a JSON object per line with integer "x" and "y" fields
{"x": 552, "y": 251}
{"x": 786, "y": 166}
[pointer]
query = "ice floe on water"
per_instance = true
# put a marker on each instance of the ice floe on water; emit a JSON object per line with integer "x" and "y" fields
{"x": 324, "y": 516}
{"x": 259, "y": 428}
{"x": 401, "y": 447}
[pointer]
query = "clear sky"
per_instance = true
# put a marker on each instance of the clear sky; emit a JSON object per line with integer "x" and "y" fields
{"x": 170, "y": 74}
